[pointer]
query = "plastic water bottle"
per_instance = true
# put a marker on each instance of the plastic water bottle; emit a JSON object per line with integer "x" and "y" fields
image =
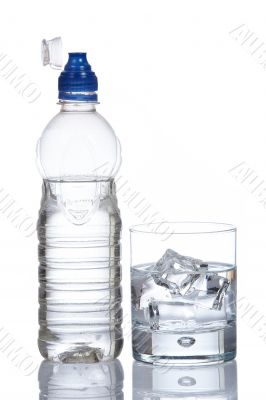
{"x": 59, "y": 381}
{"x": 79, "y": 226}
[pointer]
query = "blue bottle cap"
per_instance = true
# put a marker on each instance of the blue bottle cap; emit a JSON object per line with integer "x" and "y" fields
{"x": 77, "y": 81}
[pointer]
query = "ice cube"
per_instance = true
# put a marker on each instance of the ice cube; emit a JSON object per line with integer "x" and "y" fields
{"x": 172, "y": 271}
{"x": 172, "y": 259}
{"x": 146, "y": 309}
{"x": 162, "y": 280}
{"x": 150, "y": 290}
{"x": 188, "y": 283}
{"x": 222, "y": 288}
{"x": 153, "y": 314}
{"x": 211, "y": 287}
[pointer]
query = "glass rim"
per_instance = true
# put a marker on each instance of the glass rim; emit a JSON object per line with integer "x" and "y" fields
{"x": 217, "y": 227}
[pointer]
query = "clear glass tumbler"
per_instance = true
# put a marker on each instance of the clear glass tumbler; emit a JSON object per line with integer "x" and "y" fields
{"x": 183, "y": 279}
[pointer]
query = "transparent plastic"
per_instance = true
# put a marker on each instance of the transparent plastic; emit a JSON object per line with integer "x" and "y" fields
{"x": 52, "y": 53}
{"x": 79, "y": 232}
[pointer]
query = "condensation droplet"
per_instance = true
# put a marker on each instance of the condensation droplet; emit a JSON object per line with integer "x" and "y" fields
{"x": 186, "y": 341}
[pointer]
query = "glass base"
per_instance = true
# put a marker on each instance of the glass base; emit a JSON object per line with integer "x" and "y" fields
{"x": 179, "y": 361}
{"x": 181, "y": 348}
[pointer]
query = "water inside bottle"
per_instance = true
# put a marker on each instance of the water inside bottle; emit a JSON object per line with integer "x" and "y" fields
{"x": 80, "y": 311}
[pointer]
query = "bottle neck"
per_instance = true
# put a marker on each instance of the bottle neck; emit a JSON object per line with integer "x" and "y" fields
{"x": 77, "y": 106}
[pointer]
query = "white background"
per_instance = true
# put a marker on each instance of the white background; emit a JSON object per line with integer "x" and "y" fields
{"x": 187, "y": 99}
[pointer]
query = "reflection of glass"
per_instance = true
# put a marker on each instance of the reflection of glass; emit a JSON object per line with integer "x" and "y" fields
{"x": 81, "y": 381}
{"x": 183, "y": 292}
{"x": 159, "y": 382}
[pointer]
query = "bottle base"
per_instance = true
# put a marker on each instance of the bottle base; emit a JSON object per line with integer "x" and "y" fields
{"x": 77, "y": 352}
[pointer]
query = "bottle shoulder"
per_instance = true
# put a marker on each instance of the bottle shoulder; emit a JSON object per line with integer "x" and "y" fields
{"x": 79, "y": 121}
{"x": 78, "y": 143}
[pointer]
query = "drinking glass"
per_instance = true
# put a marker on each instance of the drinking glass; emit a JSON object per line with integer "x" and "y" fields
{"x": 183, "y": 280}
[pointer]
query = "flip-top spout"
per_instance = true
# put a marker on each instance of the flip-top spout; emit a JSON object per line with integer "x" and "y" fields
{"x": 52, "y": 53}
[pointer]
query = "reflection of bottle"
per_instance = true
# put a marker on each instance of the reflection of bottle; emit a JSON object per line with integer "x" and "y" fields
{"x": 169, "y": 382}
{"x": 81, "y": 381}
{"x": 79, "y": 226}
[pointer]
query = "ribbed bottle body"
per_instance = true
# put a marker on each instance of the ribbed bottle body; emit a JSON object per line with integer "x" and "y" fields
{"x": 79, "y": 231}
